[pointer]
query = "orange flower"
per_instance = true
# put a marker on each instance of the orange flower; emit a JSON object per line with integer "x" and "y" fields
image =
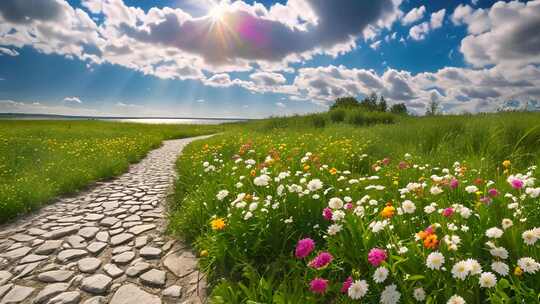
{"x": 333, "y": 171}
{"x": 253, "y": 173}
{"x": 388, "y": 211}
{"x": 431, "y": 241}
{"x": 218, "y": 224}
{"x": 306, "y": 167}
{"x": 248, "y": 197}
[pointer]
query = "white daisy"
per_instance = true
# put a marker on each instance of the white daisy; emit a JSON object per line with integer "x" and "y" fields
{"x": 460, "y": 270}
{"x": 358, "y": 289}
{"x": 455, "y": 299}
{"x": 435, "y": 260}
{"x": 408, "y": 207}
{"x": 494, "y": 233}
{"x": 487, "y": 280}
{"x": 380, "y": 274}
{"x": 529, "y": 265}
{"x": 500, "y": 268}
{"x": 335, "y": 203}
{"x": 390, "y": 295}
{"x": 419, "y": 294}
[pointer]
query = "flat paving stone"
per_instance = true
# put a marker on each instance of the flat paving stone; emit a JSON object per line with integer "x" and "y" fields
{"x": 17, "y": 294}
{"x": 154, "y": 278}
{"x": 49, "y": 246}
{"x": 55, "y": 276}
{"x": 96, "y": 284}
{"x": 130, "y": 293}
{"x": 89, "y": 265}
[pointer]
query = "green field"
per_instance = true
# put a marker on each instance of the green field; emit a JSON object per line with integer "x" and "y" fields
{"x": 409, "y": 189}
{"x": 40, "y": 160}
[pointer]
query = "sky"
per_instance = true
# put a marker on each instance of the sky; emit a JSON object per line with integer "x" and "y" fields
{"x": 252, "y": 59}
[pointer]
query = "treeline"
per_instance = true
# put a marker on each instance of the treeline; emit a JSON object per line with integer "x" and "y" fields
{"x": 371, "y": 103}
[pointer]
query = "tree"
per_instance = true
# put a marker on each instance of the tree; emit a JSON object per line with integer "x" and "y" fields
{"x": 398, "y": 108}
{"x": 432, "y": 108}
{"x": 382, "y": 106}
{"x": 345, "y": 102}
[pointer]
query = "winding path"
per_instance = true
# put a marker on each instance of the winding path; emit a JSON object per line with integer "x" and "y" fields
{"x": 105, "y": 245}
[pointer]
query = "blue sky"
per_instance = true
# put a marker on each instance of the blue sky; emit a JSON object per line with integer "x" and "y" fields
{"x": 208, "y": 58}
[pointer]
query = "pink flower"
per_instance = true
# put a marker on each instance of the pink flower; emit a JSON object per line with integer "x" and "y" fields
{"x": 327, "y": 214}
{"x": 386, "y": 161}
{"x": 516, "y": 183}
{"x": 346, "y": 285}
{"x": 318, "y": 285}
{"x": 493, "y": 192}
{"x": 429, "y": 230}
{"x": 376, "y": 256}
{"x": 448, "y": 212}
{"x": 324, "y": 258}
{"x": 403, "y": 165}
{"x": 486, "y": 200}
{"x": 304, "y": 248}
{"x": 348, "y": 206}
{"x": 454, "y": 183}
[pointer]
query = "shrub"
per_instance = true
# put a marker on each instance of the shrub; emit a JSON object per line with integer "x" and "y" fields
{"x": 318, "y": 121}
{"x": 337, "y": 115}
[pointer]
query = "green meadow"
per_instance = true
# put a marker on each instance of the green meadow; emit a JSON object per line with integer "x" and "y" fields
{"x": 40, "y": 160}
{"x": 299, "y": 209}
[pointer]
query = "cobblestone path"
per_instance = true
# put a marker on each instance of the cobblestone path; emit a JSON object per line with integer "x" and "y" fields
{"x": 105, "y": 245}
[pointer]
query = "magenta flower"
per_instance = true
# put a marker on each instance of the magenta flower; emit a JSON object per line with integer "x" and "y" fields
{"x": 386, "y": 161}
{"x": 376, "y": 256}
{"x": 318, "y": 285}
{"x": 403, "y": 165}
{"x": 346, "y": 285}
{"x": 448, "y": 212}
{"x": 454, "y": 183}
{"x": 348, "y": 206}
{"x": 327, "y": 214}
{"x": 486, "y": 200}
{"x": 304, "y": 248}
{"x": 324, "y": 258}
{"x": 517, "y": 183}
{"x": 493, "y": 192}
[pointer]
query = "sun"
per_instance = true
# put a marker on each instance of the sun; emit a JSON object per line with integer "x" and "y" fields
{"x": 216, "y": 12}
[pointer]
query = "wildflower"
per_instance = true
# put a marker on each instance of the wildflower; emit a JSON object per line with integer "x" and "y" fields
{"x": 408, "y": 207}
{"x": 494, "y": 233}
{"x": 419, "y": 294}
{"x": 222, "y": 194}
{"x": 358, "y": 289}
{"x": 460, "y": 270}
{"x": 218, "y": 224}
{"x": 435, "y": 190}
{"x": 322, "y": 260}
{"x": 346, "y": 285}
{"x": 499, "y": 252}
{"x": 493, "y": 192}
{"x": 431, "y": 241}
{"x": 335, "y": 203}
{"x": 474, "y": 266}
{"x": 314, "y": 185}
{"x": 388, "y": 211}
{"x": 500, "y": 268}
{"x": 380, "y": 274}
{"x": 327, "y": 214}
{"x": 518, "y": 271}
{"x": 318, "y": 285}
{"x": 435, "y": 260}
{"x": 455, "y": 299}
{"x": 506, "y": 163}
{"x": 306, "y": 167}
{"x": 448, "y": 212}
{"x": 390, "y": 295}
{"x": 334, "y": 229}
{"x": 471, "y": 189}
{"x": 506, "y": 223}
{"x": 262, "y": 180}
{"x": 376, "y": 256}
{"x": 454, "y": 183}
{"x": 248, "y": 215}
{"x": 487, "y": 280}
{"x": 528, "y": 265}
{"x": 203, "y": 253}
{"x": 304, "y": 248}
{"x": 333, "y": 171}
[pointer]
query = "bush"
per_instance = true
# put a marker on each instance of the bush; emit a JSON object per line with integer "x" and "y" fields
{"x": 318, "y": 121}
{"x": 337, "y": 115}
{"x": 357, "y": 118}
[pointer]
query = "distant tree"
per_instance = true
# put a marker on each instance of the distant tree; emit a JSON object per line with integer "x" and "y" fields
{"x": 370, "y": 102}
{"x": 345, "y": 102}
{"x": 432, "y": 108}
{"x": 398, "y": 108}
{"x": 382, "y": 106}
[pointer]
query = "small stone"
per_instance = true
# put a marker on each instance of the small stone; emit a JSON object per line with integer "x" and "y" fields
{"x": 88, "y": 232}
{"x": 96, "y": 247}
{"x": 32, "y": 258}
{"x": 102, "y": 236}
{"x": 173, "y": 291}
{"x": 123, "y": 258}
{"x": 141, "y": 241}
{"x": 58, "y": 233}
{"x": 25, "y": 269}
{"x": 154, "y": 278}
{"x": 121, "y": 238}
{"x": 71, "y": 254}
{"x": 96, "y": 300}
{"x": 89, "y": 265}
{"x": 142, "y": 228}
{"x": 112, "y": 270}
{"x": 4, "y": 277}
{"x": 130, "y": 293}
{"x": 94, "y": 217}
{"x": 22, "y": 237}
{"x": 150, "y": 252}
{"x": 17, "y": 294}
{"x": 49, "y": 247}
{"x": 96, "y": 284}
{"x": 137, "y": 269}
{"x": 180, "y": 264}
{"x": 55, "y": 276}
{"x": 132, "y": 218}
{"x": 110, "y": 205}
{"x": 70, "y": 297}
{"x": 4, "y": 289}
{"x": 36, "y": 231}
{"x": 76, "y": 241}
{"x": 50, "y": 291}
{"x": 71, "y": 219}
{"x": 108, "y": 221}
{"x": 120, "y": 249}
{"x": 17, "y": 253}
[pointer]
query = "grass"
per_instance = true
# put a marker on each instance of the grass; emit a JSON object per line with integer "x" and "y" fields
{"x": 40, "y": 160}
{"x": 256, "y": 178}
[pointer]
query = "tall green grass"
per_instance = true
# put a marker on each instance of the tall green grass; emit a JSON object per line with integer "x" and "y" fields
{"x": 40, "y": 160}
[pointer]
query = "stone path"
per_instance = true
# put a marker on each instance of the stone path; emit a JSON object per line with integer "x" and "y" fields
{"x": 105, "y": 245}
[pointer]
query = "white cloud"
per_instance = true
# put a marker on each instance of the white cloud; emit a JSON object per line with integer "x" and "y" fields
{"x": 280, "y": 105}
{"x": 72, "y": 99}
{"x": 375, "y": 45}
{"x": 505, "y": 34}
{"x": 437, "y": 19}
{"x": 414, "y": 15}
{"x": 9, "y": 52}
{"x": 420, "y": 31}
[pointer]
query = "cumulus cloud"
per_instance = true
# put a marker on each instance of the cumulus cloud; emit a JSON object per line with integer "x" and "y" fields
{"x": 420, "y": 31}
{"x": 414, "y": 15}
{"x": 505, "y": 34}
{"x": 73, "y": 99}
{"x": 268, "y": 78}
{"x": 281, "y": 105}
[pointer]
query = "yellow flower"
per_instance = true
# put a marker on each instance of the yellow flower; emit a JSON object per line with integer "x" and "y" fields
{"x": 218, "y": 224}
{"x": 253, "y": 173}
{"x": 306, "y": 167}
{"x": 333, "y": 171}
{"x": 203, "y": 253}
{"x": 506, "y": 163}
{"x": 388, "y": 211}
{"x": 518, "y": 272}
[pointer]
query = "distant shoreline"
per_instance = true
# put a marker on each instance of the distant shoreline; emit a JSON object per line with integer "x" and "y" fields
{"x": 27, "y": 115}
